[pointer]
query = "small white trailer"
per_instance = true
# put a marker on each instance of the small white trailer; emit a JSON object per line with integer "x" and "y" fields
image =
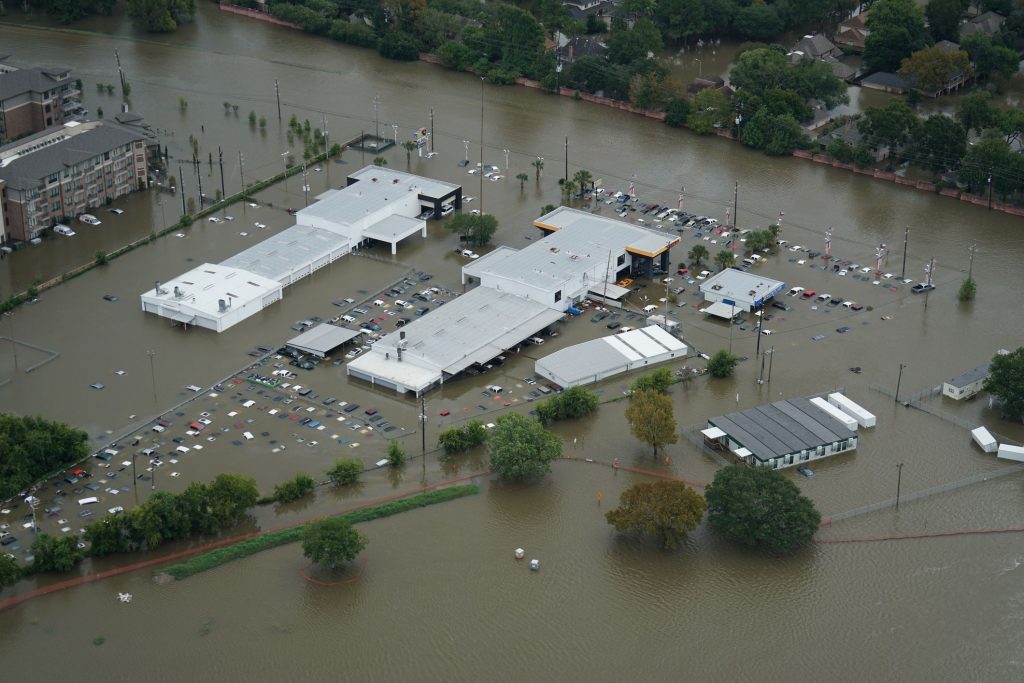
{"x": 863, "y": 417}
{"x": 1008, "y": 452}
{"x": 834, "y": 412}
{"x": 985, "y": 440}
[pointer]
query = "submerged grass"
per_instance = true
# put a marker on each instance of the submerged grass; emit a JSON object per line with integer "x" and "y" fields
{"x": 273, "y": 539}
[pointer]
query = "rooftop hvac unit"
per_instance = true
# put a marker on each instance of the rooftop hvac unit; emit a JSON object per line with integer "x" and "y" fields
{"x": 177, "y": 292}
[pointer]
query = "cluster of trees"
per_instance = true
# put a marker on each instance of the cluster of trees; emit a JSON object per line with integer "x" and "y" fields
{"x": 201, "y": 509}
{"x": 345, "y": 472}
{"x": 154, "y": 16}
{"x": 722, "y": 364}
{"x": 571, "y": 404}
{"x": 477, "y": 229}
{"x": 754, "y": 506}
{"x": 521, "y": 449}
{"x": 1006, "y": 382}
{"x": 291, "y": 490}
{"x": 33, "y": 447}
{"x": 901, "y": 39}
{"x": 458, "y": 439}
{"x": 939, "y": 143}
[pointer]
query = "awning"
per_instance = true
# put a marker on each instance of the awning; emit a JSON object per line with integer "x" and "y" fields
{"x": 720, "y": 310}
{"x": 742, "y": 452}
{"x": 609, "y": 291}
{"x": 712, "y": 433}
{"x": 322, "y": 339}
{"x": 180, "y": 317}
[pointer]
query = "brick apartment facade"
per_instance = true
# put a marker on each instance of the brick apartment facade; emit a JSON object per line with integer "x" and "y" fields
{"x": 55, "y": 175}
{"x": 33, "y": 99}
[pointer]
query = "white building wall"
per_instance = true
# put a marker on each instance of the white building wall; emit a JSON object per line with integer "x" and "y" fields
{"x": 960, "y": 393}
{"x": 803, "y": 457}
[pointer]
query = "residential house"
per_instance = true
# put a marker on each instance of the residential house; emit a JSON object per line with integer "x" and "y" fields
{"x": 849, "y": 134}
{"x": 988, "y": 23}
{"x": 581, "y": 9}
{"x": 886, "y": 82}
{"x": 814, "y": 46}
{"x": 966, "y": 385}
{"x": 851, "y": 34}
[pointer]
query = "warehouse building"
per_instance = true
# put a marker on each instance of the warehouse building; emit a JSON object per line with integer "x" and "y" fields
{"x": 740, "y": 289}
{"x": 598, "y": 359}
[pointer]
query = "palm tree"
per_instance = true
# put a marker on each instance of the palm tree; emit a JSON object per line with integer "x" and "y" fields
{"x": 380, "y": 161}
{"x": 724, "y": 259}
{"x": 569, "y": 188}
{"x": 522, "y": 178}
{"x": 698, "y": 254}
{"x": 408, "y": 146}
{"x": 583, "y": 179}
{"x": 538, "y": 164}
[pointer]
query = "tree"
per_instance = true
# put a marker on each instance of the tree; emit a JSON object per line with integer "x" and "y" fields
{"x": 929, "y": 70}
{"x": 10, "y": 571}
{"x": 944, "y": 18}
{"x": 408, "y": 146}
{"x": 513, "y": 36}
{"x": 332, "y": 541}
{"x": 345, "y": 472}
{"x": 293, "y": 489}
{"x": 522, "y": 178}
{"x": 657, "y": 381}
{"x": 668, "y": 510}
{"x": 976, "y": 112}
{"x": 1011, "y": 124}
{"x": 676, "y": 112}
{"x": 583, "y": 179}
{"x": 400, "y": 46}
{"x": 31, "y": 447}
{"x": 252, "y": 118}
{"x": 722, "y": 364}
{"x": 758, "y": 22}
{"x": 759, "y": 70}
{"x": 571, "y": 404}
{"x": 55, "y": 554}
{"x": 697, "y": 254}
{"x": 680, "y": 19}
{"x": 380, "y": 161}
{"x": 161, "y": 16}
{"x": 887, "y": 46}
{"x": 938, "y": 143}
{"x": 229, "y": 496}
{"x": 761, "y": 508}
{"x": 990, "y": 58}
{"x": 538, "y": 168}
{"x": 991, "y": 160}
{"x": 890, "y": 125}
{"x": 968, "y": 288}
{"x": 650, "y": 419}
{"x": 724, "y": 259}
{"x": 709, "y": 109}
{"x": 628, "y": 46}
{"x": 521, "y": 449}
{"x": 1005, "y": 381}
{"x": 396, "y": 454}
{"x": 477, "y": 229}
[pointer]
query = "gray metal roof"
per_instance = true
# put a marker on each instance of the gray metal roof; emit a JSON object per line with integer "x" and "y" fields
{"x": 781, "y": 428}
{"x": 472, "y": 328}
{"x": 323, "y": 338}
{"x": 29, "y": 169}
{"x": 14, "y": 83}
{"x": 969, "y": 377}
{"x": 886, "y": 79}
{"x": 277, "y": 256}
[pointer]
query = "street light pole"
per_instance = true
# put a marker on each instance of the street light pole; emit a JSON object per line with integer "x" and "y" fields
{"x": 906, "y": 236}
{"x": 423, "y": 434}
{"x": 899, "y": 379}
{"x": 970, "y": 267}
{"x": 284, "y": 156}
{"x": 152, "y": 372}
{"x": 481, "y": 146}
{"x": 899, "y": 481}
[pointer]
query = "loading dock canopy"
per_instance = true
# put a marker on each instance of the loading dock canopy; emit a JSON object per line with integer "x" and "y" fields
{"x": 713, "y": 433}
{"x": 720, "y": 310}
{"x": 322, "y": 339}
{"x": 609, "y": 291}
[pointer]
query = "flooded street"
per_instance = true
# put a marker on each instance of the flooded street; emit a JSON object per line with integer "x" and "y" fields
{"x": 442, "y": 597}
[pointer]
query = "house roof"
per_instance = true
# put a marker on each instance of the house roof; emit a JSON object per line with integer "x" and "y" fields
{"x": 15, "y": 83}
{"x": 815, "y": 46}
{"x": 969, "y": 377}
{"x": 885, "y": 79}
{"x": 988, "y": 23}
{"x": 947, "y": 46}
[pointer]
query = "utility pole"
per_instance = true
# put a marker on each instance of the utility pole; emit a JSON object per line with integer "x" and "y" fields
{"x": 906, "y": 236}
{"x": 305, "y": 184}
{"x": 181, "y": 182}
{"x": 376, "y": 116}
{"x": 989, "y": 188}
{"x": 736, "y": 205}
{"x": 199, "y": 180}
{"x": 277, "y": 92}
{"x": 323, "y": 131}
{"x": 828, "y": 241}
{"x": 899, "y": 481}
{"x": 929, "y": 274}
{"x": 481, "y": 146}
{"x": 241, "y": 173}
{"x": 899, "y": 379}
{"x": 771, "y": 359}
{"x": 431, "y": 130}
{"x": 970, "y": 267}
{"x": 152, "y": 372}
{"x": 120, "y": 73}
{"x": 220, "y": 160}
{"x": 566, "y": 158}
{"x": 423, "y": 434}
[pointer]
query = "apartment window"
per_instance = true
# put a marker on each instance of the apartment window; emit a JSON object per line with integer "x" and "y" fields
{"x": 52, "y": 179}
{"x": 621, "y": 259}
{"x": 558, "y": 296}
{"x": 106, "y": 156}
{"x": 55, "y": 206}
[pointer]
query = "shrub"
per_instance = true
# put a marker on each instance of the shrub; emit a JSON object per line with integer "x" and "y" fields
{"x": 345, "y": 472}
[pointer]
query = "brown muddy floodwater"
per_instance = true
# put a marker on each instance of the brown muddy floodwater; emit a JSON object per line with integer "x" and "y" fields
{"x": 442, "y": 597}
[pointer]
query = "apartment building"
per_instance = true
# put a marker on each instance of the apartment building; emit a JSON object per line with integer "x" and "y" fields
{"x": 33, "y": 99}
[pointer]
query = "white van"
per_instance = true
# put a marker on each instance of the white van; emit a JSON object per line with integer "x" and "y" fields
{"x": 88, "y": 501}
{"x": 348, "y": 318}
{"x": 536, "y": 340}
{"x": 650, "y": 308}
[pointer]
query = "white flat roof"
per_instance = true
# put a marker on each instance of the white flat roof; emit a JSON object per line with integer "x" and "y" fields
{"x": 740, "y": 285}
{"x": 607, "y": 232}
{"x": 409, "y": 375}
{"x": 428, "y": 187}
{"x": 720, "y": 310}
{"x": 201, "y": 289}
{"x": 289, "y": 250}
{"x": 394, "y": 228}
{"x": 713, "y": 433}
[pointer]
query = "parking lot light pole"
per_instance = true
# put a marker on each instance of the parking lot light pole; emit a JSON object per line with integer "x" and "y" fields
{"x": 899, "y": 378}
{"x": 899, "y": 480}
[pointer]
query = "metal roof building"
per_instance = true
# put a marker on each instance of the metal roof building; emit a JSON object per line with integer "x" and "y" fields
{"x": 745, "y": 290}
{"x": 322, "y": 339}
{"x": 473, "y": 328}
{"x": 597, "y": 359}
{"x": 966, "y": 385}
{"x": 780, "y": 434}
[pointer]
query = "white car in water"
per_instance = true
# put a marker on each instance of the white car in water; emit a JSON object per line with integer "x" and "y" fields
{"x": 63, "y": 230}
{"x": 89, "y": 219}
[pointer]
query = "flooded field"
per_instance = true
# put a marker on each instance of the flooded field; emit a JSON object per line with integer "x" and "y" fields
{"x": 442, "y": 596}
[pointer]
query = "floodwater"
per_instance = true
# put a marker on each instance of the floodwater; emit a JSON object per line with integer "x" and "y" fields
{"x": 442, "y": 597}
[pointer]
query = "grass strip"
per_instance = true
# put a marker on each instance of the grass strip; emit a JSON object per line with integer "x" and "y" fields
{"x": 273, "y": 539}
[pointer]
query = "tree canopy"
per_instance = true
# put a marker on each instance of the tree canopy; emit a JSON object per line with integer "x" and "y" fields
{"x": 571, "y": 404}
{"x": 32, "y": 447}
{"x": 761, "y": 508}
{"x": 722, "y": 364}
{"x": 476, "y": 228}
{"x": 55, "y": 554}
{"x": 938, "y": 143}
{"x": 929, "y": 70}
{"x": 657, "y": 381}
{"x": 651, "y": 420}
{"x": 667, "y": 510}
{"x": 332, "y": 541}
{"x": 10, "y": 571}
{"x": 1006, "y": 382}
{"x": 345, "y": 472}
{"x": 520, "y": 448}
{"x": 897, "y": 31}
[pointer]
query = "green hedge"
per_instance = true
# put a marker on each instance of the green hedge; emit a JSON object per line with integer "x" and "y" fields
{"x": 273, "y": 539}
